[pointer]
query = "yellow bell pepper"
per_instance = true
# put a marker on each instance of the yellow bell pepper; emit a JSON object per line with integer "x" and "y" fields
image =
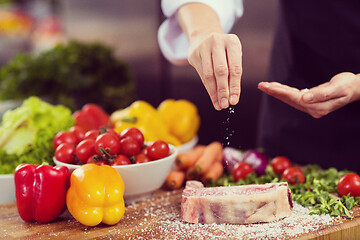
{"x": 146, "y": 118}
{"x": 96, "y": 195}
{"x": 181, "y": 118}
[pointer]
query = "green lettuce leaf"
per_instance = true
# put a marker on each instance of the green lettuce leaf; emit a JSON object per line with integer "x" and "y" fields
{"x": 27, "y": 132}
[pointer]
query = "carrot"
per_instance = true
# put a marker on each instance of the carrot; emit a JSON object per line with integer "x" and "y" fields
{"x": 191, "y": 174}
{"x": 212, "y": 153}
{"x": 175, "y": 179}
{"x": 185, "y": 160}
{"x": 213, "y": 174}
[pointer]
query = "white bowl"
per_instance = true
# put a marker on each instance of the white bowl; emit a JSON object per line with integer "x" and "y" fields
{"x": 186, "y": 147}
{"x": 140, "y": 179}
{"x": 7, "y": 188}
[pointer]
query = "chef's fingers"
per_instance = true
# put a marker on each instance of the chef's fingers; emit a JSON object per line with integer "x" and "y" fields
{"x": 221, "y": 72}
{"x": 234, "y": 58}
{"x": 208, "y": 77}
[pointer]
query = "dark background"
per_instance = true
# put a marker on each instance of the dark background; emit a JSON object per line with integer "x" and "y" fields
{"x": 130, "y": 27}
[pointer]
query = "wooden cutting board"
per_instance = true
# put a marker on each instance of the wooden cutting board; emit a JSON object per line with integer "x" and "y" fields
{"x": 158, "y": 217}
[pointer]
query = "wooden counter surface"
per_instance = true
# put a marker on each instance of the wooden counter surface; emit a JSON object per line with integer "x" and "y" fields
{"x": 158, "y": 217}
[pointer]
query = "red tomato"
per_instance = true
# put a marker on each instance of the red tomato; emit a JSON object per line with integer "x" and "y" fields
{"x": 142, "y": 158}
{"x": 78, "y": 132}
{"x": 158, "y": 149}
{"x": 133, "y": 133}
{"x": 97, "y": 162}
{"x": 83, "y": 120}
{"x": 65, "y": 153}
{"x": 93, "y": 134}
{"x": 112, "y": 131}
{"x": 97, "y": 113}
{"x": 121, "y": 160}
{"x": 241, "y": 170}
{"x": 129, "y": 147}
{"x": 280, "y": 164}
{"x": 349, "y": 184}
{"x": 64, "y": 137}
{"x": 107, "y": 142}
{"x": 85, "y": 149}
{"x": 294, "y": 175}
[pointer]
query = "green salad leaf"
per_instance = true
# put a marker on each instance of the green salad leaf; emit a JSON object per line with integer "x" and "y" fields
{"x": 27, "y": 132}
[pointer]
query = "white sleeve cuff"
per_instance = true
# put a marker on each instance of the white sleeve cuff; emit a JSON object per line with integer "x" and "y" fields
{"x": 172, "y": 40}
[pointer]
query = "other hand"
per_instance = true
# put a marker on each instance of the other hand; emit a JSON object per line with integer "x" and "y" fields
{"x": 321, "y": 100}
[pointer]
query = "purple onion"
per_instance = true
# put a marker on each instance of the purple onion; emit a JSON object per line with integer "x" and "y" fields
{"x": 257, "y": 160}
{"x": 231, "y": 157}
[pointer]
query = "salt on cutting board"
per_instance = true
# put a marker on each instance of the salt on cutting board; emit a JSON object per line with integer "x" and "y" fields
{"x": 236, "y": 204}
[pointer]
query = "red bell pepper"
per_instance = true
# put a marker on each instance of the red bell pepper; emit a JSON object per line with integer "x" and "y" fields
{"x": 91, "y": 116}
{"x": 41, "y": 191}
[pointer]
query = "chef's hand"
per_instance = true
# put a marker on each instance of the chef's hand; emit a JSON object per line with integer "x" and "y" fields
{"x": 321, "y": 100}
{"x": 216, "y": 56}
{"x": 217, "y": 59}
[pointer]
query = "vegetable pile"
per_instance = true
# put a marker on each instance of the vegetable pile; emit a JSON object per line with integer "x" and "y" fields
{"x": 26, "y": 133}
{"x": 105, "y": 146}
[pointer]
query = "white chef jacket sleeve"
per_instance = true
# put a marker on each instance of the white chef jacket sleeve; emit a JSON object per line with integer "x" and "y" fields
{"x": 173, "y": 42}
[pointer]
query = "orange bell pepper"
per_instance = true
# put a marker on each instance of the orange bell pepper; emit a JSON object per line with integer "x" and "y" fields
{"x": 96, "y": 195}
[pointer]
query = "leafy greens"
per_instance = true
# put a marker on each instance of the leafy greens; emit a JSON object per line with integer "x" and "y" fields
{"x": 27, "y": 132}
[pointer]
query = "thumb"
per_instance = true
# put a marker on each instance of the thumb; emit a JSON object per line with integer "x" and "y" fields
{"x": 321, "y": 93}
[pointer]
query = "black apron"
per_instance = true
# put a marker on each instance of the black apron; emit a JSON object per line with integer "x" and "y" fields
{"x": 314, "y": 41}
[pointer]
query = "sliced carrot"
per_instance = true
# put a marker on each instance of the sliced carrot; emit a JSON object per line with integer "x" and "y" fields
{"x": 186, "y": 160}
{"x": 213, "y": 174}
{"x": 212, "y": 153}
{"x": 175, "y": 179}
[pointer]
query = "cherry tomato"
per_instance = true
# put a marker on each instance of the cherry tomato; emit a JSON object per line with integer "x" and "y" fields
{"x": 107, "y": 142}
{"x": 294, "y": 175}
{"x": 349, "y": 183}
{"x": 158, "y": 149}
{"x": 97, "y": 162}
{"x": 129, "y": 147}
{"x": 64, "y": 137}
{"x": 133, "y": 133}
{"x": 241, "y": 170}
{"x": 65, "y": 153}
{"x": 85, "y": 149}
{"x": 78, "y": 132}
{"x": 112, "y": 131}
{"x": 280, "y": 164}
{"x": 93, "y": 134}
{"x": 142, "y": 158}
{"x": 121, "y": 160}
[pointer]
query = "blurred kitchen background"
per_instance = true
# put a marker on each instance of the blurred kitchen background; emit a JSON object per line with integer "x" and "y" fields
{"x": 129, "y": 27}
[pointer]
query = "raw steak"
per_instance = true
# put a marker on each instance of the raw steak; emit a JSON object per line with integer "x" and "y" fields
{"x": 236, "y": 204}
